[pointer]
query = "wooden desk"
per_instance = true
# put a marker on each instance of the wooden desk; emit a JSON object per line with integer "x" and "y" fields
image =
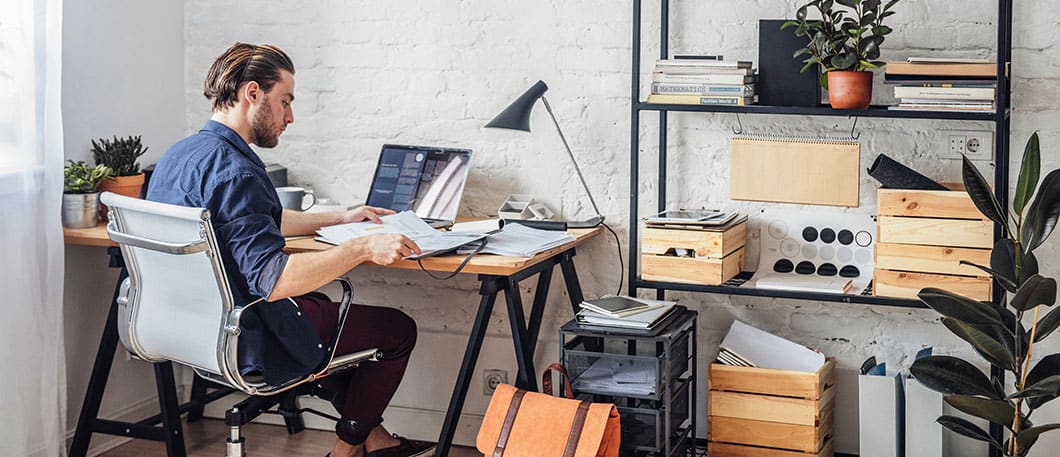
{"x": 495, "y": 273}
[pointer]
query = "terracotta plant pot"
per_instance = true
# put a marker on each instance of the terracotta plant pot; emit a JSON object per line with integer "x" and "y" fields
{"x": 129, "y": 186}
{"x": 850, "y": 89}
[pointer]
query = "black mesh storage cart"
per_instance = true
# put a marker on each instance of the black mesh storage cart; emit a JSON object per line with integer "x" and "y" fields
{"x": 649, "y": 374}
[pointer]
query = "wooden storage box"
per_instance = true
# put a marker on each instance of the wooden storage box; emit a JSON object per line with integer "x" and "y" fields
{"x": 771, "y": 413}
{"x": 716, "y": 256}
{"x": 923, "y": 236}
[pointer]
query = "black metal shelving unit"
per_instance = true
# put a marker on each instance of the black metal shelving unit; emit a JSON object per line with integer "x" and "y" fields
{"x": 1002, "y": 127}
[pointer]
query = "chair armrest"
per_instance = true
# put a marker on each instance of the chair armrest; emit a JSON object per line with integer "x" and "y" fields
{"x": 155, "y": 245}
{"x": 343, "y": 362}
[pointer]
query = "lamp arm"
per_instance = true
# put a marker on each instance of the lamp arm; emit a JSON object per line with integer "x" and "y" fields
{"x": 571, "y": 155}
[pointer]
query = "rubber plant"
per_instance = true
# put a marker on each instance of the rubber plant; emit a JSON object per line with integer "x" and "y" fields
{"x": 846, "y": 38}
{"x": 996, "y": 331}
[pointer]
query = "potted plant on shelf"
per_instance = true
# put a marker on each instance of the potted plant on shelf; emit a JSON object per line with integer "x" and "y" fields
{"x": 120, "y": 155}
{"x": 81, "y": 193}
{"x": 844, "y": 44}
{"x": 998, "y": 332}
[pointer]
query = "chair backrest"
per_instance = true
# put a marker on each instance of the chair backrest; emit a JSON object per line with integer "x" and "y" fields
{"x": 176, "y": 304}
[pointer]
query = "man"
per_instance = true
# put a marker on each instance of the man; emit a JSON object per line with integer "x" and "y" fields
{"x": 251, "y": 88}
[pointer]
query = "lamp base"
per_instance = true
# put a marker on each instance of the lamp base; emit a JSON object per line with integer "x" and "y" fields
{"x": 556, "y": 225}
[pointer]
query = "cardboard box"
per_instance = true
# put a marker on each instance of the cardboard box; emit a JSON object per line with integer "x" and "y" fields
{"x": 923, "y": 236}
{"x": 711, "y": 256}
{"x": 771, "y": 413}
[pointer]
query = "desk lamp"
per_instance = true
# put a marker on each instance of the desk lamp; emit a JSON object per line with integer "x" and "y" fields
{"x": 517, "y": 117}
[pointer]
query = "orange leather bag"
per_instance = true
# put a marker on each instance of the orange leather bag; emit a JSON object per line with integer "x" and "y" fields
{"x": 529, "y": 424}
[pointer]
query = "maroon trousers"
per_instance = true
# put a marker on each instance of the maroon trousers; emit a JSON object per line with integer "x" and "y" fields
{"x": 364, "y": 392}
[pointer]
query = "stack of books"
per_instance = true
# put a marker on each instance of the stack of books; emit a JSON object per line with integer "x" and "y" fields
{"x": 626, "y": 312}
{"x": 687, "y": 80}
{"x": 941, "y": 84}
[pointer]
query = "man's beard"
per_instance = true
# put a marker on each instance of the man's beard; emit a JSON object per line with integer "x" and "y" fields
{"x": 266, "y": 132}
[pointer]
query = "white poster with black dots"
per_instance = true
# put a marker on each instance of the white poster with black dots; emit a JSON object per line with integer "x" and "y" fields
{"x": 815, "y": 251}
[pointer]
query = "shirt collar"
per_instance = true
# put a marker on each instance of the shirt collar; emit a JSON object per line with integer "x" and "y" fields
{"x": 227, "y": 133}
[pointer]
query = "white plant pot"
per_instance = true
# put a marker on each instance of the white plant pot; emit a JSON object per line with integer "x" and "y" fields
{"x": 80, "y": 210}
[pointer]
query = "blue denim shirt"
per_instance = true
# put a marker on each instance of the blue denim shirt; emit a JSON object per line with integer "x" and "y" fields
{"x": 215, "y": 169}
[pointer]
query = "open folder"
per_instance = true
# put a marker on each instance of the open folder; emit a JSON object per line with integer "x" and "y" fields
{"x": 431, "y": 241}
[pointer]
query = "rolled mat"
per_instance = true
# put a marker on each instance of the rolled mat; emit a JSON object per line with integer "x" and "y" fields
{"x": 893, "y": 175}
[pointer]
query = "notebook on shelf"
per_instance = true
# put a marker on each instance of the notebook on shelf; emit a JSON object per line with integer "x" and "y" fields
{"x": 616, "y": 306}
{"x": 642, "y": 320}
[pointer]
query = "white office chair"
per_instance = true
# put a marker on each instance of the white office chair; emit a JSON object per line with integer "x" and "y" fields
{"x": 176, "y": 304}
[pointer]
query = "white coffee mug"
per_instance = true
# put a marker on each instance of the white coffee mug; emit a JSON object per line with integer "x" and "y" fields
{"x": 292, "y": 197}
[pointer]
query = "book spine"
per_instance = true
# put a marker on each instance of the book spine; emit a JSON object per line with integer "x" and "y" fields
{"x": 699, "y": 100}
{"x": 702, "y": 79}
{"x": 951, "y": 93}
{"x": 696, "y": 89}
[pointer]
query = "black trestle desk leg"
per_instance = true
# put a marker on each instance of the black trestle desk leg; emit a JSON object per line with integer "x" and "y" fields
{"x": 489, "y": 291}
{"x": 197, "y": 403}
{"x": 537, "y": 311}
{"x": 97, "y": 382}
{"x": 167, "y": 400}
{"x": 574, "y": 291}
{"x": 526, "y": 378}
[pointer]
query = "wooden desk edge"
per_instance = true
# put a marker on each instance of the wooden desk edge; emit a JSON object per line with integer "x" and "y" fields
{"x": 482, "y": 264}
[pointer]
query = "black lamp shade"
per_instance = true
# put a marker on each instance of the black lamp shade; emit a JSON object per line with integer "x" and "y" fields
{"x": 517, "y": 115}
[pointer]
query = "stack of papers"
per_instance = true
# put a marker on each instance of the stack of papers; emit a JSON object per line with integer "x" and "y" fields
{"x": 518, "y": 240}
{"x": 620, "y": 376}
{"x": 647, "y": 316}
{"x": 765, "y": 350}
{"x": 430, "y": 240}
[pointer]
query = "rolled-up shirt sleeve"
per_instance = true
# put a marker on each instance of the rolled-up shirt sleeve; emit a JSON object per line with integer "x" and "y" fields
{"x": 248, "y": 228}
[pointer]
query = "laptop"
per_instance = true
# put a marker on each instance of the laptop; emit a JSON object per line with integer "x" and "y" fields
{"x": 426, "y": 180}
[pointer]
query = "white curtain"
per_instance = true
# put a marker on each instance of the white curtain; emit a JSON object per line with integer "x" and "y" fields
{"x": 32, "y": 360}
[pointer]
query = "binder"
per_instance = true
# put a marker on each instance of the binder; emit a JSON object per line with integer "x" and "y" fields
{"x": 791, "y": 170}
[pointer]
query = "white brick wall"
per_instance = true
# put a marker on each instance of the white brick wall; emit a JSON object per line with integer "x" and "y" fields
{"x": 435, "y": 72}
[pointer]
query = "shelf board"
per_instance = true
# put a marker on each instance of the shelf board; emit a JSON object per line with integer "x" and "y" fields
{"x": 821, "y": 110}
{"x": 751, "y": 291}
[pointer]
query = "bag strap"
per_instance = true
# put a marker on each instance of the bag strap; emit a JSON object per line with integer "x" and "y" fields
{"x": 576, "y": 429}
{"x": 509, "y": 419}
{"x": 546, "y": 380}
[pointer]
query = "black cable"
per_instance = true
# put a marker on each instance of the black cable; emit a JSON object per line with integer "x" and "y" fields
{"x": 481, "y": 246}
{"x": 621, "y": 263}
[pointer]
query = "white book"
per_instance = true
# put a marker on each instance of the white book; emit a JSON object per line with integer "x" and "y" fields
{"x": 656, "y": 312}
{"x": 945, "y": 60}
{"x": 805, "y": 283}
{"x": 952, "y": 93}
{"x": 518, "y": 240}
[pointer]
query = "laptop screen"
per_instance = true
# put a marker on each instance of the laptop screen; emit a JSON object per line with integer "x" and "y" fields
{"x": 426, "y": 180}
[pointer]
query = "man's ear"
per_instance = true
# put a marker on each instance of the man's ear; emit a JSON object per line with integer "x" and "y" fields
{"x": 251, "y": 91}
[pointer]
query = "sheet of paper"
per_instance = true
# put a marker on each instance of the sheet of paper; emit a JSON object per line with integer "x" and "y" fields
{"x": 408, "y": 223}
{"x": 767, "y": 350}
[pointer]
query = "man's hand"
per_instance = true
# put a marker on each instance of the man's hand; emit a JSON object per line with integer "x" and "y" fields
{"x": 387, "y": 248}
{"x": 365, "y": 213}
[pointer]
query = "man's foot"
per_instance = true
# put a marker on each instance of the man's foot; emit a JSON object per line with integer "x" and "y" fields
{"x": 344, "y": 449}
{"x": 405, "y": 448}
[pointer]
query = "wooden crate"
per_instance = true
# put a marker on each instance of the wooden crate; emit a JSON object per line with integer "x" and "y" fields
{"x": 717, "y": 255}
{"x": 923, "y": 236}
{"x": 773, "y": 413}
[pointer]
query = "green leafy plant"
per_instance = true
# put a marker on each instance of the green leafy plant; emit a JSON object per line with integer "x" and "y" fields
{"x": 79, "y": 178}
{"x": 996, "y": 331}
{"x": 119, "y": 154}
{"x": 846, "y": 38}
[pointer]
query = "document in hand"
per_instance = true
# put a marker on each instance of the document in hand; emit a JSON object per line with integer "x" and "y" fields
{"x": 431, "y": 241}
{"x": 766, "y": 350}
{"x": 518, "y": 240}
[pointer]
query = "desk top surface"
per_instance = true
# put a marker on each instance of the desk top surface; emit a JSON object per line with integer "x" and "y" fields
{"x": 480, "y": 264}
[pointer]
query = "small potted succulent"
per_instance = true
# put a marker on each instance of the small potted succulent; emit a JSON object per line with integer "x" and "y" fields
{"x": 81, "y": 193}
{"x": 120, "y": 155}
{"x": 844, "y": 44}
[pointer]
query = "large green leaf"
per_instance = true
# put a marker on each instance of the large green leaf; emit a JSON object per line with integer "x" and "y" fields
{"x": 951, "y": 375}
{"x": 1003, "y": 259}
{"x": 967, "y": 428}
{"x": 995, "y": 411}
{"x": 1046, "y": 367}
{"x": 1038, "y": 290}
{"x": 1030, "y": 170}
{"x": 1042, "y": 215}
{"x": 959, "y": 307}
{"x": 987, "y": 346}
{"x": 1047, "y": 387}
{"x": 1030, "y": 266}
{"x": 1047, "y": 324}
{"x": 1005, "y": 283}
{"x": 847, "y": 3}
{"x": 1028, "y": 437}
{"x": 979, "y": 189}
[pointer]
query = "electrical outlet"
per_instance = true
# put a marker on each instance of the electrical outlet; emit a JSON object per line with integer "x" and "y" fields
{"x": 975, "y": 144}
{"x": 491, "y": 379}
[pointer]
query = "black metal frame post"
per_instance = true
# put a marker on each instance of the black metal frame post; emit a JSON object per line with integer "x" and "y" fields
{"x": 524, "y": 333}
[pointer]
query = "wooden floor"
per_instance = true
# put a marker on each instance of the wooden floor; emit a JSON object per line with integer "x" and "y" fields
{"x": 206, "y": 438}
